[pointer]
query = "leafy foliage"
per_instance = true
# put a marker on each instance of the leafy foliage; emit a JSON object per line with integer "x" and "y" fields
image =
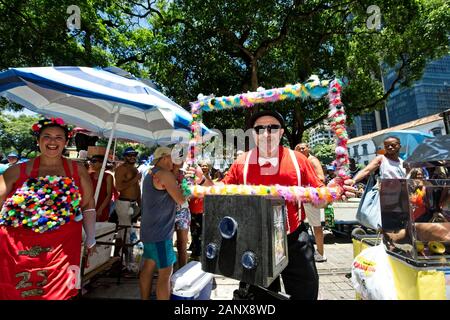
{"x": 324, "y": 152}
{"x": 15, "y": 134}
{"x": 227, "y": 47}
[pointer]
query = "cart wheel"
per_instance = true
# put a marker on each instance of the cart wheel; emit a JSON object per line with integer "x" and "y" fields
{"x": 358, "y": 231}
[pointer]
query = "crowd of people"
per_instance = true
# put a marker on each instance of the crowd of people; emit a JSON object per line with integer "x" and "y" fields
{"x": 154, "y": 196}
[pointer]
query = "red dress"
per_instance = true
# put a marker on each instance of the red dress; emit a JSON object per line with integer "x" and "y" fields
{"x": 101, "y": 196}
{"x": 41, "y": 266}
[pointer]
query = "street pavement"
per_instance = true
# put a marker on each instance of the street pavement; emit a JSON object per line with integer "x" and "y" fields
{"x": 334, "y": 283}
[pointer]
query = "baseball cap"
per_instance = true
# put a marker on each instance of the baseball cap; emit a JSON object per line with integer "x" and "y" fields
{"x": 12, "y": 155}
{"x": 159, "y": 153}
{"x": 129, "y": 150}
{"x": 263, "y": 113}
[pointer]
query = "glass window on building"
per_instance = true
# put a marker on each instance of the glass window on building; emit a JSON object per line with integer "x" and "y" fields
{"x": 364, "y": 151}
{"x": 355, "y": 151}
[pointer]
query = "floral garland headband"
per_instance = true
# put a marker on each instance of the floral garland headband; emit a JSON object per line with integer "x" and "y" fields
{"x": 38, "y": 126}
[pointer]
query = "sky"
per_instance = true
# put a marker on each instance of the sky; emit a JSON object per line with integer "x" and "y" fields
{"x": 18, "y": 113}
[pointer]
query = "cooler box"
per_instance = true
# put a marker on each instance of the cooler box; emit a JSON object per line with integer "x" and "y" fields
{"x": 104, "y": 252}
{"x": 191, "y": 283}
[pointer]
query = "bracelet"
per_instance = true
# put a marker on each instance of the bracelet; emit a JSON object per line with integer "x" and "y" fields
{"x": 203, "y": 180}
{"x": 87, "y": 210}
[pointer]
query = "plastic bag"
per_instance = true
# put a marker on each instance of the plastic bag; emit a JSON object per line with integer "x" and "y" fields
{"x": 135, "y": 259}
{"x": 372, "y": 275}
{"x": 369, "y": 210}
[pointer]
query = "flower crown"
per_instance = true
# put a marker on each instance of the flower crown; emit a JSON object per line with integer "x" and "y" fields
{"x": 37, "y": 127}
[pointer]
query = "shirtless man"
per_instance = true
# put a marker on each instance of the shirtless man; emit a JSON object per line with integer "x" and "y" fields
{"x": 127, "y": 180}
{"x": 313, "y": 213}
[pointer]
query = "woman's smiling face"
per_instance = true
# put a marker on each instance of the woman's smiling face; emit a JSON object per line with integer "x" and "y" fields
{"x": 52, "y": 141}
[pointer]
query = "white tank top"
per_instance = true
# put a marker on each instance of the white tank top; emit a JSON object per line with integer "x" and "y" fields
{"x": 390, "y": 169}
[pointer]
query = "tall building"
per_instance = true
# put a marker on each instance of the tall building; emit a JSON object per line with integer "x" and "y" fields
{"x": 320, "y": 134}
{"x": 429, "y": 95}
{"x": 368, "y": 123}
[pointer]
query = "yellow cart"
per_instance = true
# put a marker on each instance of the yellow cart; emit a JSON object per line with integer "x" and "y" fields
{"x": 411, "y": 282}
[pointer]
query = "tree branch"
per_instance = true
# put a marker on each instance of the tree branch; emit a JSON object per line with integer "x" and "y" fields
{"x": 391, "y": 88}
{"x": 138, "y": 57}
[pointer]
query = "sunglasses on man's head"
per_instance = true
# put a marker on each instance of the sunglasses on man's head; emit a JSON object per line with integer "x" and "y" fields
{"x": 270, "y": 127}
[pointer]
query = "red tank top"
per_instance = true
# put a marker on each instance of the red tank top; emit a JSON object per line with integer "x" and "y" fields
{"x": 40, "y": 266}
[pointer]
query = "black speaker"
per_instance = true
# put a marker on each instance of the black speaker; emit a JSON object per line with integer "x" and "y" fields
{"x": 244, "y": 237}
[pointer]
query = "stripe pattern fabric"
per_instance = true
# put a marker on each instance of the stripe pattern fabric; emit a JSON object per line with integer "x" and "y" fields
{"x": 89, "y": 98}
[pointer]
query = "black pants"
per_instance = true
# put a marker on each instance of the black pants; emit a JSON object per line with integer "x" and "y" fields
{"x": 196, "y": 235}
{"x": 300, "y": 277}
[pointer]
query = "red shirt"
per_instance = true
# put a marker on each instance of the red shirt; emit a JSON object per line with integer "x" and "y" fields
{"x": 284, "y": 174}
{"x": 196, "y": 205}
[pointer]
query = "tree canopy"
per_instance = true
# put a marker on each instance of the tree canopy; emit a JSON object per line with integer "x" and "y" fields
{"x": 228, "y": 47}
{"x": 225, "y": 48}
{"x": 15, "y": 134}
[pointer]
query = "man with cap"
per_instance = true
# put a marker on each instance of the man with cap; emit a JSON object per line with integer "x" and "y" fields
{"x": 127, "y": 181}
{"x": 269, "y": 164}
{"x": 160, "y": 196}
{"x": 13, "y": 158}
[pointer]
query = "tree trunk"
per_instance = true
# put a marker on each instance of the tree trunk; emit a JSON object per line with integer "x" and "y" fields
{"x": 254, "y": 74}
{"x": 250, "y": 85}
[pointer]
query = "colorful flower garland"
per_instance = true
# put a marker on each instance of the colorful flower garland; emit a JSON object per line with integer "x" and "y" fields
{"x": 315, "y": 89}
{"x": 43, "y": 204}
{"x": 316, "y": 196}
{"x": 337, "y": 118}
{"x": 37, "y": 127}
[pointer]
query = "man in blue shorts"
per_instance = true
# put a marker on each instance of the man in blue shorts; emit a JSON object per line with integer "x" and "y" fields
{"x": 160, "y": 196}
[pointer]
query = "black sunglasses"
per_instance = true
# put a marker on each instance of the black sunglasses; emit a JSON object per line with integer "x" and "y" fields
{"x": 131, "y": 155}
{"x": 269, "y": 128}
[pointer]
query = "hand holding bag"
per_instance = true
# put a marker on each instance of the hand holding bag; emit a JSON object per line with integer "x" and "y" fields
{"x": 369, "y": 211}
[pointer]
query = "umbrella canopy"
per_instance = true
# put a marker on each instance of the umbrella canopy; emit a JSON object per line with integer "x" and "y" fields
{"x": 92, "y": 98}
{"x": 431, "y": 154}
{"x": 101, "y": 101}
{"x": 409, "y": 139}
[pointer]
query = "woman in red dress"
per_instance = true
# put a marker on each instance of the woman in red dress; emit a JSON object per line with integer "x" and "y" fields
{"x": 45, "y": 202}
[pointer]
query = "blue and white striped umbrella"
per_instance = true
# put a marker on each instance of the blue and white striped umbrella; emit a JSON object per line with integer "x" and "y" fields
{"x": 103, "y": 102}
{"x": 92, "y": 98}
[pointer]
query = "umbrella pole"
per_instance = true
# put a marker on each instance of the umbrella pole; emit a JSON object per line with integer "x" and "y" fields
{"x": 114, "y": 152}
{"x": 108, "y": 147}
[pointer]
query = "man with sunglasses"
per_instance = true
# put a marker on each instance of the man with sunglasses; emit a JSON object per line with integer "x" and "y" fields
{"x": 269, "y": 164}
{"x": 127, "y": 184}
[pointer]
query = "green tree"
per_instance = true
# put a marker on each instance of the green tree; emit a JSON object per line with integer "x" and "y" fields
{"x": 227, "y": 47}
{"x": 224, "y": 48}
{"x": 15, "y": 134}
{"x": 324, "y": 152}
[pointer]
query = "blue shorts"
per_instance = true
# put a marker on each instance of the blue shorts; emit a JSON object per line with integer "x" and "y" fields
{"x": 161, "y": 252}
